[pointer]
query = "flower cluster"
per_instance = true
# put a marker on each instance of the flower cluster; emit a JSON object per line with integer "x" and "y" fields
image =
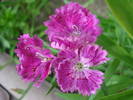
{"x": 72, "y": 30}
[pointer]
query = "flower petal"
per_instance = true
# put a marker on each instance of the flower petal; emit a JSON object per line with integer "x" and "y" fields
{"x": 91, "y": 83}
{"x": 64, "y": 77}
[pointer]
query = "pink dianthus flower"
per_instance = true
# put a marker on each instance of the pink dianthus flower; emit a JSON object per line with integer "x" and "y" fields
{"x": 73, "y": 69}
{"x": 35, "y": 62}
{"x": 72, "y": 26}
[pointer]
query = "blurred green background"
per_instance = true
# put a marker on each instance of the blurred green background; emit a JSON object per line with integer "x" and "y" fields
{"x": 27, "y": 16}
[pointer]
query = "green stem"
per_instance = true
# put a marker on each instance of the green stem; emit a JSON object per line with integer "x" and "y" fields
{"x": 53, "y": 83}
{"x": 26, "y": 91}
{"x": 54, "y": 51}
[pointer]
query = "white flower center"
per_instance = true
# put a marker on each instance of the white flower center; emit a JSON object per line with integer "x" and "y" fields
{"x": 80, "y": 66}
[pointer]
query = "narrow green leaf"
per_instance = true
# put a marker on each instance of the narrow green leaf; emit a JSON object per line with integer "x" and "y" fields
{"x": 111, "y": 69}
{"x": 114, "y": 85}
{"x": 50, "y": 89}
{"x": 26, "y": 91}
{"x": 119, "y": 86}
{"x": 123, "y": 11}
{"x": 29, "y": 1}
{"x": 18, "y": 90}
{"x": 115, "y": 50}
{"x": 72, "y": 96}
{"x": 126, "y": 95}
{"x": 43, "y": 4}
{"x": 116, "y": 88}
{"x": 118, "y": 79}
{"x": 4, "y": 42}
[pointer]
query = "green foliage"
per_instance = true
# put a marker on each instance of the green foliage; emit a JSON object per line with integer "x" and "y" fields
{"x": 111, "y": 69}
{"x": 116, "y": 50}
{"x": 122, "y": 10}
{"x": 18, "y": 17}
{"x": 118, "y": 77}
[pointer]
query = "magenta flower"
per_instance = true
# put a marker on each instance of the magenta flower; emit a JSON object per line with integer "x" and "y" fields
{"x": 73, "y": 69}
{"x": 35, "y": 62}
{"x": 72, "y": 26}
